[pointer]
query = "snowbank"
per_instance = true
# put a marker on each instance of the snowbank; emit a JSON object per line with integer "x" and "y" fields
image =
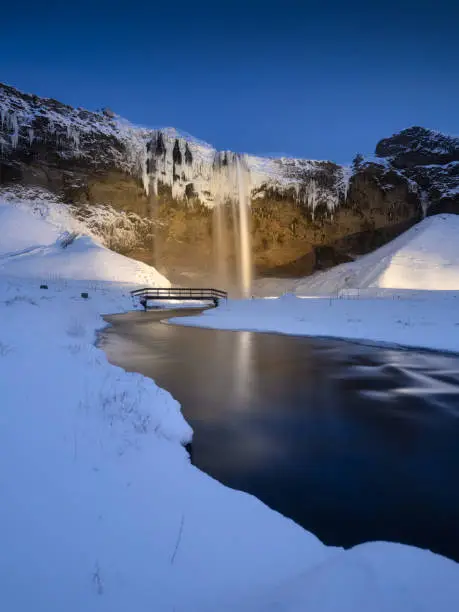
{"x": 419, "y": 319}
{"x": 36, "y": 247}
{"x": 370, "y": 577}
{"x": 101, "y": 509}
{"x": 425, "y": 257}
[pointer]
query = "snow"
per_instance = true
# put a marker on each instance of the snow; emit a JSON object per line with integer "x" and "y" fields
{"x": 20, "y": 230}
{"x": 417, "y": 319}
{"x": 425, "y": 257}
{"x": 378, "y": 579}
{"x": 113, "y": 228}
{"x": 36, "y": 248}
{"x": 101, "y": 508}
{"x": 405, "y": 293}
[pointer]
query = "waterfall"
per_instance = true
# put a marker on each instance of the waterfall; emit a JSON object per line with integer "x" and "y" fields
{"x": 244, "y": 229}
{"x": 231, "y": 185}
{"x": 220, "y": 179}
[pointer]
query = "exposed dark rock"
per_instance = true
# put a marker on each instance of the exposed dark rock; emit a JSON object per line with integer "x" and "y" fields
{"x": 160, "y": 148}
{"x": 431, "y": 161}
{"x": 188, "y": 155}
{"x": 417, "y": 146}
{"x": 177, "y": 154}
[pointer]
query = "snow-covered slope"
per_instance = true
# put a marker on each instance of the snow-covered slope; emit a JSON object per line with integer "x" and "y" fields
{"x": 21, "y": 230}
{"x": 424, "y": 257}
{"x": 32, "y": 246}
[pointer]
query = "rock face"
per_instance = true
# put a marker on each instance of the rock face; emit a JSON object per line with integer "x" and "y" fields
{"x": 305, "y": 215}
{"x": 431, "y": 160}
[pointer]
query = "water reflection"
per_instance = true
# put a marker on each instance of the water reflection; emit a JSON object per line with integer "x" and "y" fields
{"x": 354, "y": 442}
{"x": 244, "y": 374}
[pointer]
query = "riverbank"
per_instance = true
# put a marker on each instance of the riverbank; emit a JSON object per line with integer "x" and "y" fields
{"x": 422, "y": 319}
{"x": 104, "y": 510}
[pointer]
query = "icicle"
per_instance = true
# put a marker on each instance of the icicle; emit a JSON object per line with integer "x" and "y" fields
{"x": 424, "y": 203}
{"x": 346, "y": 178}
{"x": 12, "y": 124}
{"x": 31, "y": 136}
{"x": 73, "y": 136}
{"x": 312, "y": 195}
{"x": 145, "y": 178}
{"x": 297, "y": 192}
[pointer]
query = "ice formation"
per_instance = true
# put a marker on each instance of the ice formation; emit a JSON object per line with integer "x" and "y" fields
{"x": 189, "y": 167}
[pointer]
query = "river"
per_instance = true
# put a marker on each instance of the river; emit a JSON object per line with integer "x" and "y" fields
{"x": 353, "y": 442}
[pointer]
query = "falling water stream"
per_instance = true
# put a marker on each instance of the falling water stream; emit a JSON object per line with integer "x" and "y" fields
{"x": 244, "y": 229}
{"x": 231, "y": 188}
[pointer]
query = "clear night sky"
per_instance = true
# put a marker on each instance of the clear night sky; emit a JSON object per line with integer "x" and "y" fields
{"x": 309, "y": 79}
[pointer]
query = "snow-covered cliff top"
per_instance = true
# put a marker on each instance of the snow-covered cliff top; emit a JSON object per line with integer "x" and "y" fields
{"x": 189, "y": 166}
{"x": 36, "y": 128}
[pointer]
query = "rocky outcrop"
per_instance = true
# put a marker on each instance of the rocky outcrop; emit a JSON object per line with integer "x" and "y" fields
{"x": 431, "y": 160}
{"x": 305, "y": 214}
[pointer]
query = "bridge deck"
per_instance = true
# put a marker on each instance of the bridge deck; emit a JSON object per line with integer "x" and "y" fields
{"x": 179, "y": 293}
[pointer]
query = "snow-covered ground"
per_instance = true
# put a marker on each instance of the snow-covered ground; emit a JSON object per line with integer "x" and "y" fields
{"x": 100, "y": 507}
{"x": 425, "y": 257}
{"x": 406, "y": 293}
{"x": 31, "y": 246}
{"x": 419, "y": 319}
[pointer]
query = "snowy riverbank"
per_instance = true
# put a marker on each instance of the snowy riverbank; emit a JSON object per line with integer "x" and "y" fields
{"x": 101, "y": 509}
{"x": 104, "y": 510}
{"x": 406, "y": 318}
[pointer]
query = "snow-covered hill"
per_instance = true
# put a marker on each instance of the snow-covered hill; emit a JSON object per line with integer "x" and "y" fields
{"x": 425, "y": 257}
{"x": 49, "y": 249}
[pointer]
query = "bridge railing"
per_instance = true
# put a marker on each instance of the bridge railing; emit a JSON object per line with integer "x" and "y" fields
{"x": 180, "y": 293}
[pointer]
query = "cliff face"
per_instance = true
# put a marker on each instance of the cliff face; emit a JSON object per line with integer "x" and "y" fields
{"x": 305, "y": 214}
{"x": 431, "y": 160}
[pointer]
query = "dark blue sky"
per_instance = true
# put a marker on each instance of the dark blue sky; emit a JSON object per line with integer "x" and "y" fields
{"x": 311, "y": 79}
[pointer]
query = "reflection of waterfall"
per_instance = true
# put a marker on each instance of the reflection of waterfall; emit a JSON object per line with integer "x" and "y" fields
{"x": 243, "y": 375}
{"x": 231, "y": 185}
